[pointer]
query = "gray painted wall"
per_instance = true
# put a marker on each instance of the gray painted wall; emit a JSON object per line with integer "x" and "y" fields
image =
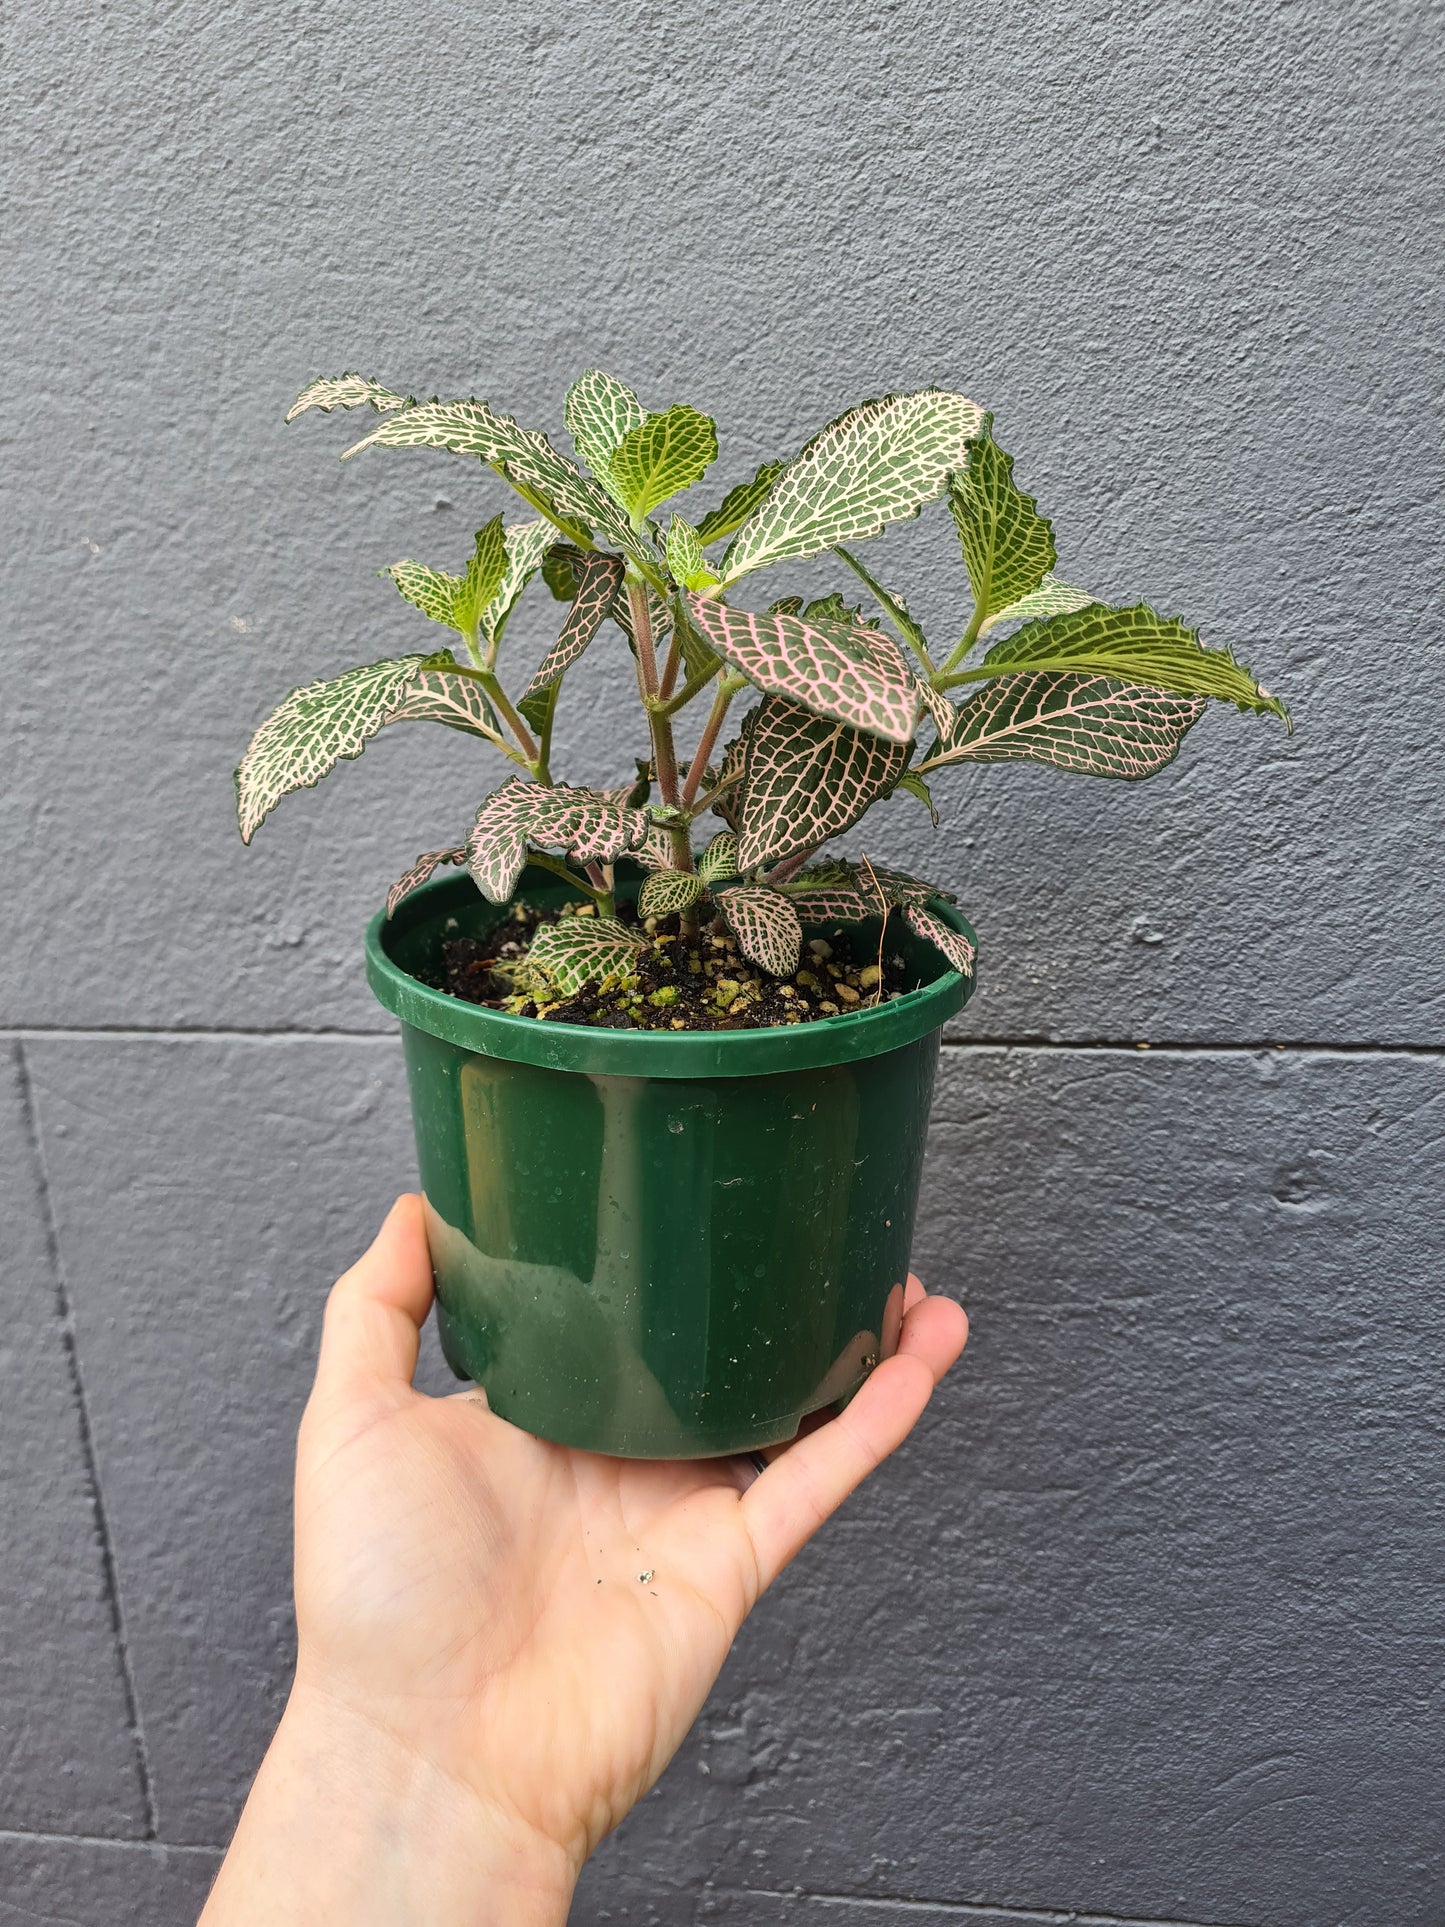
{"x": 1146, "y": 1624}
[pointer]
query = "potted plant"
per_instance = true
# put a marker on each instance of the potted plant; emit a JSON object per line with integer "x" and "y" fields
{"x": 671, "y": 1082}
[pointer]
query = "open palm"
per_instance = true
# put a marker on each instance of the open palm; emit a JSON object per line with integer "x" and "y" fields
{"x": 537, "y": 1623}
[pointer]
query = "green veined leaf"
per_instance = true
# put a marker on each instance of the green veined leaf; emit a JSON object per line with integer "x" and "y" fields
{"x": 856, "y": 676}
{"x": 664, "y": 454}
{"x": 911, "y": 781}
{"x": 668, "y": 890}
{"x": 1135, "y": 645}
{"x": 599, "y": 412}
{"x": 685, "y": 559}
{"x": 346, "y": 391}
{"x": 953, "y": 944}
{"x": 719, "y": 860}
{"x": 1051, "y": 598}
{"x": 807, "y": 778}
{"x": 1092, "y": 725}
{"x": 877, "y": 464}
{"x": 538, "y": 709}
{"x": 766, "y": 925}
{"x": 738, "y": 504}
{"x": 487, "y": 566}
{"x": 429, "y": 590}
{"x": 600, "y": 581}
{"x": 1007, "y": 544}
{"x": 526, "y": 544}
{"x": 312, "y": 730}
{"x": 523, "y": 455}
{"x": 441, "y": 693}
{"x": 892, "y": 604}
{"x": 832, "y": 608}
{"x": 420, "y": 871}
{"x": 588, "y": 826}
{"x": 579, "y": 951}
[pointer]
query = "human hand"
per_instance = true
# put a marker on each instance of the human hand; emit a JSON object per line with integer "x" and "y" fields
{"x": 501, "y": 1641}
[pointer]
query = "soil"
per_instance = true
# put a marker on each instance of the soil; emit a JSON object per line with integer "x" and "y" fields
{"x": 703, "y": 983}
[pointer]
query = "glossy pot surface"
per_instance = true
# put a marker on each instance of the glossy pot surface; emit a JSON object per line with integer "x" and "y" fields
{"x": 660, "y": 1245}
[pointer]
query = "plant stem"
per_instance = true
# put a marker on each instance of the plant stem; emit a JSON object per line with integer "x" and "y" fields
{"x": 709, "y": 797}
{"x": 694, "y": 686}
{"x": 560, "y": 867}
{"x": 785, "y": 871}
{"x": 969, "y": 638}
{"x": 727, "y": 688}
{"x": 672, "y": 665}
{"x": 664, "y": 750}
{"x": 526, "y": 742}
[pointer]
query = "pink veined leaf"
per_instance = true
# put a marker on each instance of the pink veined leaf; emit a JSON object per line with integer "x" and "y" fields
{"x": 729, "y": 805}
{"x": 1091, "y": 725}
{"x": 766, "y": 925}
{"x": 584, "y": 823}
{"x": 936, "y": 705}
{"x": 855, "y": 676}
{"x": 870, "y": 888}
{"x": 807, "y": 778}
{"x": 899, "y": 887}
{"x": 419, "y": 873}
{"x": 654, "y": 852}
{"x": 829, "y": 904}
{"x": 951, "y": 943}
{"x": 601, "y": 579}
{"x": 446, "y": 696}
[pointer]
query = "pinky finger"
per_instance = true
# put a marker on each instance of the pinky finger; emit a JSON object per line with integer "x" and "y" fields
{"x": 807, "y": 1483}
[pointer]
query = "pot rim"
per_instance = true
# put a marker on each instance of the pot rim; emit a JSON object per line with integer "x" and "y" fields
{"x": 621, "y": 1053}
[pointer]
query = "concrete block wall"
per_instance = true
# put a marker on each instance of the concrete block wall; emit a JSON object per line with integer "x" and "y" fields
{"x": 1145, "y": 1625}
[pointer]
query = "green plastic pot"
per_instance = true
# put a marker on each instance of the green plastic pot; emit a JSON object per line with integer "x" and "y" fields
{"x": 661, "y": 1245}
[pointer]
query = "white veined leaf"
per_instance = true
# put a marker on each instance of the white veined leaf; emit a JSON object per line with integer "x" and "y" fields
{"x": 877, "y": 464}
{"x": 1091, "y": 725}
{"x": 807, "y": 778}
{"x": 312, "y": 730}
{"x": 1007, "y": 544}
{"x": 1051, "y": 598}
{"x": 939, "y": 708}
{"x": 526, "y": 544}
{"x": 346, "y": 391}
{"x": 766, "y": 926}
{"x": 952, "y": 944}
{"x": 440, "y": 692}
{"x": 1135, "y": 645}
{"x": 599, "y": 583}
{"x": 586, "y": 824}
{"x": 719, "y": 860}
{"x": 664, "y": 454}
{"x": 523, "y": 455}
{"x": 685, "y": 559}
{"x": 420, "y": 871}
{"x": 666, "y": 891}
{"x": 429, "y": 590}
{"x": 738, "y": 504}
{"x": 599, "y": 412}
{"x": 856, "y": 676}
{"x": 577, "y": 951}
{"x": 485, "y": 570}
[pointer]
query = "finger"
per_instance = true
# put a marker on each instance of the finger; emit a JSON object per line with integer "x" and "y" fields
{"x": 806, "y": 1484}
{"x": 913, "y": 1292}
{"x": 375, "y": 1313}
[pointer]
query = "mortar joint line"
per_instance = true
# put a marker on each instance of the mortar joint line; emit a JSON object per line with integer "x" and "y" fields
{"x": 965, "y": 1910}
{"x": 89, "y": 1457}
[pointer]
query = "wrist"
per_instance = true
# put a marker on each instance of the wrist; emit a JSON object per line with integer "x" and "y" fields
{"x": 345, "y": 1823}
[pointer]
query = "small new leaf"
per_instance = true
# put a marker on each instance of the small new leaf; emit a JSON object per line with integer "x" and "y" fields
{"x": 719, "y": 861}
{"x": 766, "y": 925}
{"x": 599, "y": 412}
{"x": 855, "y": 676}
{"x": 1007, "y": 544}
{"x": 599, "y": 583}
{"x": 1051, "y": 598}
{"x": 877, "y": 464}
{"x": 661, "y": 456}
{"x": 952, "y": 944}
{"x": 315, "y": 728}
{"x": 685, "y": 558}
{"x": 738, "y": 504}
{"x": 429, "y": 590}
{"x": 583, "y": 950}
{"x": 911, "y": 781}
{"x": 419, "y": 872}
{"x": 668, "y": 890}
{"x": 1135, "y": 645}
{"x": 807, "y": 778}
{"x": 346, "y": 391}
{"x": 587, "y": 825}
{"x": 527, "y": 544}
{"x": 1091, "y": 725}
{"x": 485, "y": 570}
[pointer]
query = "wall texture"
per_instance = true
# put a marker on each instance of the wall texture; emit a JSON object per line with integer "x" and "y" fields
{"x": 1146, "y": 1624}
